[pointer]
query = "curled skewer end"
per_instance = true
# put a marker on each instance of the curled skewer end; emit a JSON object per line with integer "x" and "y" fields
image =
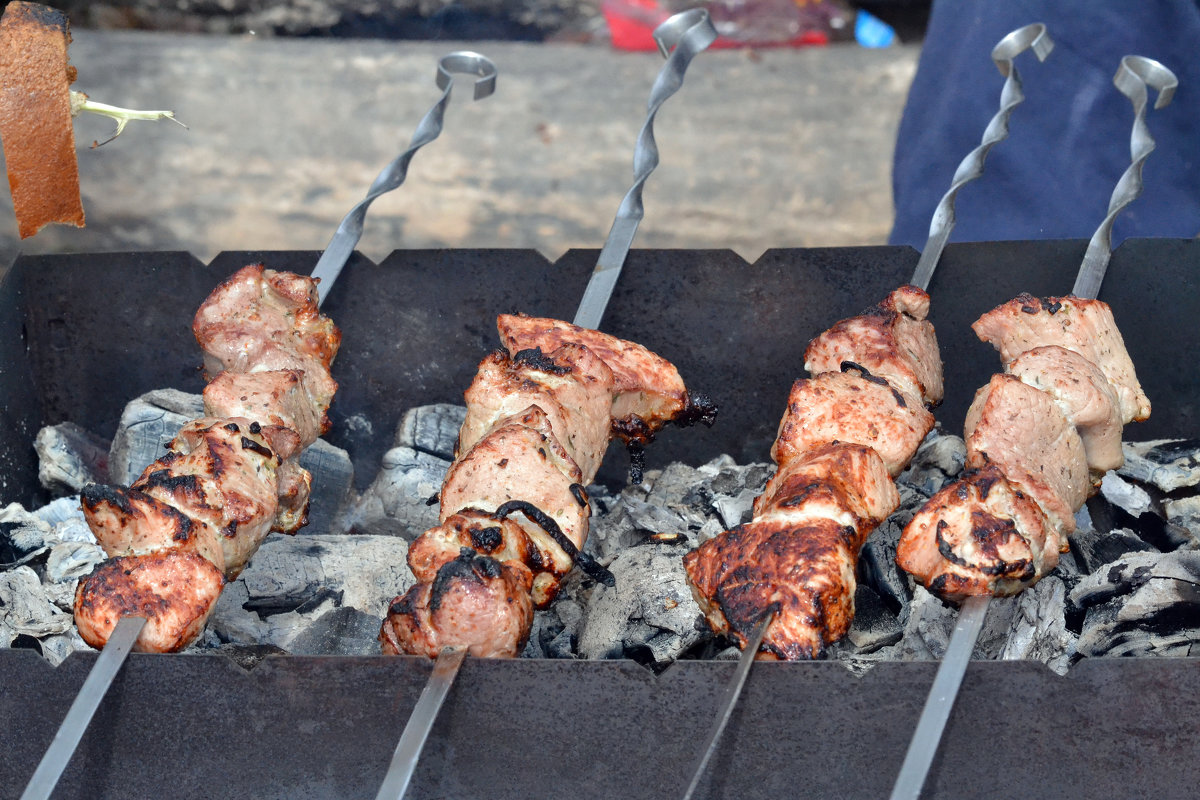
{"x": 694, "y": 23}
{"x": 1138, "y": 72}
{"x": 1033, "y": 37}
{"x": 466, "y": 62}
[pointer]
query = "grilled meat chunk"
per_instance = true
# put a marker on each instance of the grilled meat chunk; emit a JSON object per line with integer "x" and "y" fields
{"x": 1022, "y": 431}
{"x": 804, "y": 569}
{"x": 571, "y": 385}
{"x": 501, "y": 539}
{"x": 649, "y": 391}
{"x": 981, "y": 535}
{"x": 474, "y": 601}
{"x": 129, "y": 522}
{"x": 261, "y": 320}
{"x": 273, "y": 397}
{"x": 1084, "y": 396}
{"x": 892, "y": 340}
{"x": 175, "y": 590}
{"x": 849, "y": 407}
{"x": 847, "y": 483}
{"x": 1082, "y": 326}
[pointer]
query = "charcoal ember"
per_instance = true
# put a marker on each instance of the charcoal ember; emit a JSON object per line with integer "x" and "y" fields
{"x": 397, "y": 501}
{"x": 1168, "y": 464}
{"x": 1129, "y": 497}
{"x": 23, "y": 537}
{"x": 69, "y": 457}
{"x": 650, "y": 615}
{"x": 932, "y": 622}
{"x": 293, "y": 580}
{"x": 1142, "y": 604}
{"x": 874, "y": 625}
{"x": 66, "y": 564}
{"x": 877, "y": 561}
{"x": 555, "y": 631}
{"x": 65, "y": 517}
{"x": 1093, "y": 549}
{"x": 1038, "y": 631}
{"x": 57, "y": 647}
{"x": 341, "y": 631}
{"x": 24, "y": 609}
{"x": 1184, "y": 512}
{"x": 432, "y": 429}
{"x": 938, "y": 461}
{"x": 147, "y": 424}
{"x": 332, "y": 486}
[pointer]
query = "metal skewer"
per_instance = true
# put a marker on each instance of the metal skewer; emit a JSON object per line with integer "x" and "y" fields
{"x": 1031, "y": 37}
{"x": 125, "y": 634}
{"x": 680, "y": 38}
{"x": 1133, "y": 76}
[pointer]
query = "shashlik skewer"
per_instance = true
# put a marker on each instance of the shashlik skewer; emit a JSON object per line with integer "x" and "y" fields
{"x": 1029, "y": 37}
{"x": 1017, "y": 541}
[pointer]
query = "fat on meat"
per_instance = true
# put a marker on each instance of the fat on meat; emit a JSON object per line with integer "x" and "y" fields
{"x": 571, "y": 385}
{"x": 981, "y": 535}
{"x": 1082, "y": 326}
{"x": 1021, "y": 430}
{"x": 1084, "y": 396}
{"x": 893, "y": 340}
{"x": 852, "y": 407}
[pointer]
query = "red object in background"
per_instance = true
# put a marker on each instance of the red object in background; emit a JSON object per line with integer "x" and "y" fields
{"x": 742, "y": 23}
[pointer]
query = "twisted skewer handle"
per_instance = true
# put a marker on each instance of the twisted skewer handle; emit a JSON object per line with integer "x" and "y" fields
{"x": 1133, "y": 76}
{"x": 689, "y": 33}
{"x": 350, "y": 230}
{"x": 1032, "y": 37}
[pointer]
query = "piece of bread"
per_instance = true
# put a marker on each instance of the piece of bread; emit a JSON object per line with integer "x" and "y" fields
{"x": 35, "y": 117}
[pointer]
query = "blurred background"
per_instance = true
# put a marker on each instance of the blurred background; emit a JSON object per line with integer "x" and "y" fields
{"x": 784, "y": 137}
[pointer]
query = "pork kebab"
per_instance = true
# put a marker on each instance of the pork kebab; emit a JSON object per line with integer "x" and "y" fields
{"x": 514, "y": 511}
{"x": 195, "y": 517}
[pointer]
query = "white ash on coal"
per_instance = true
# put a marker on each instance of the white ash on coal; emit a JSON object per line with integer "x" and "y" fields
{"x": 1129, "y": 586}
{"x": 69, "y": 457}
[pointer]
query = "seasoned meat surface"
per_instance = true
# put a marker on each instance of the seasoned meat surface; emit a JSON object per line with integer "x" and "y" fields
{"x": 175, "y": 590}
{"x": 649, "y": 391}
{"x": 571, "y": 385}
{"x": 848, "y": 407}
{"x": 846, "y": 483}
{"x": 892, "y": 340}
{"x": 501, "y": 539}
{"x": 474, "y": 601}
{"x": 1082, "y": 326}
{"x": 1022, "y": 431}
{"x": 1084, "y": 396}
{"x": 272, "y": 397}
{"x": 981, "y": 535}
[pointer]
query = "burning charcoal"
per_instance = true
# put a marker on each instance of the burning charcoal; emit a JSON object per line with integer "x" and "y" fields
{"x": 432, "y": 429}
{"x": 70, "y": 457}
{"x": 340, "y": 632}
{"x": 1143, "y": 604}
{"x": 66, "y": 564}
{"x": 1129, "y": 497}
{"x": 23, "y": 536}
{"x": 1185, "y": 513}
{"x": 397, "y": 502}
{"x": 1039, "y": 629}
{"x": 874, "y": 625}
{"x": 1167, "y": 464}
{"x": 146, "y": 425}
{"x": 56, "y": 648}
{"x": 66, "y": 519}
{"x": 877, "y": 561}
{"x": 555, "y": 631}
{"x": 932, "y": 622}
{"x": 649, "y": 615}
{"x": 938, "y": 461}
{"x": 332, "y": 485}
{"x": 24, "y": 608}
{"x": 1093, "y": 549}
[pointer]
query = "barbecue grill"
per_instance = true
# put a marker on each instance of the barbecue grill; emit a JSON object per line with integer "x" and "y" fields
{"x": 80, "y": 335}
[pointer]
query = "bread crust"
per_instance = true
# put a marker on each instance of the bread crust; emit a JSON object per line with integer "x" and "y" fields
{"x": 36, "y": 125}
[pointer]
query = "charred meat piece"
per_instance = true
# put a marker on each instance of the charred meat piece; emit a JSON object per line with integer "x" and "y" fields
{"x": 127, "y": 522}
{"x": 175, "y": 590}
{"x": 1082, "y": 326}
{"x": 273, "y": 397}
{"x": 846, "y": 483}
{"x": 892, "y": 340}
{"x": 1022, "y": 431}
{"x": 848, "y": 407}
{"x": 805, "y": 570}
{"x": 649, "y": 391}
{"x": 571, "y": 385}
{"x": 981, "y": 535}
{"x": 1084, "y": 396}
{"x": 501, "y": 539}
{"x": 474, "y": 601}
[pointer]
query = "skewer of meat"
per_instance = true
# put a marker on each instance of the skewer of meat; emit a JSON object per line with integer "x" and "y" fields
{"x": 193, "y": 518}
{"x": 1039, "y": 438}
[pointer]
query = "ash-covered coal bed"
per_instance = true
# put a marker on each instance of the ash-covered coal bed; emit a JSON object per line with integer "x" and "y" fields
{"x": 1130, "y": 585}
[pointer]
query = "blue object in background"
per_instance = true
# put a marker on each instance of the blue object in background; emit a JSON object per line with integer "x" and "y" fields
{"x": 871, "y": 31}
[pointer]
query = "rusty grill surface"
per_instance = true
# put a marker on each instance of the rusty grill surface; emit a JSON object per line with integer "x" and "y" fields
{"x": 80, "y": 335}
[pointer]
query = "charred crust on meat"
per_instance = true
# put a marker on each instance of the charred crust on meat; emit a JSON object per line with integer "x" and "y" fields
{"x": 1051, "y": 305}
{"x": 988, "y": 532}
{"x": 230, "y": 530}
{"x": 432, "y": 500}
{"x": 866, "y": 375}
{"x": 93, "y": 494}
{"x": 232, "y": 427}
{"x": 486, "y": 540}
{"x": 589, "y": 565}
{"x": 163, "y": 479}
{"x": 699, "y": 408}
{"x": 502, "y": 463}
{"x": 580, "y": 494}
{"x": 534, "y": 358}
{"x": 468, "y": 566}
{"x": 405, "y": 604}
{"x": 255, "y": 447}
{"x": 255, "y": 428}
